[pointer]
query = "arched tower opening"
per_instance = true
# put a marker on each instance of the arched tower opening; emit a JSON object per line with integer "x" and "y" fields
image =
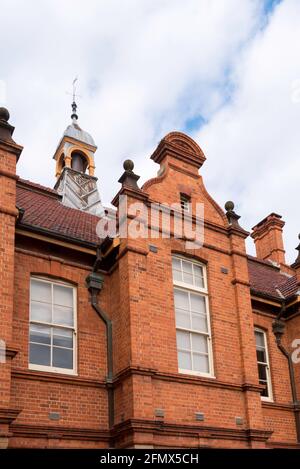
{"x": 79, "y": 162}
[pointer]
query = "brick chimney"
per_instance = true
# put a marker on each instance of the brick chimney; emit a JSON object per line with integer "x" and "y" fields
{"x": 268, "y": 239}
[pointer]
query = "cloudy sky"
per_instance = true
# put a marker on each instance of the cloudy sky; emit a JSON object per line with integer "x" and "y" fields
{"x": 227, "y": 72}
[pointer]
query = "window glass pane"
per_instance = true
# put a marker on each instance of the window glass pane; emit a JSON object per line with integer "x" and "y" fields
{"x": 63, "y": 338}
{"x": 40, "y": 334}
{"x": 187, "y": 267}
{"x": 177, "y": 274}
{"x": 198, "y": 274}
{"x": 188, "y": 278}
{"x": 199, "y": 282}
{"x": 260, "y": 339}
{"x": 262, "y": 372}
{"x": 199, "y": 343}
{"x": 187, "y": 272}
{"x": 184, "y": 360}
{"x": 181, "y": 299}
{"x": 199, "y": 322}
{"x": 62, "y": 358}
{"x": 200, "y": 363}
{"x": 197, "y": 303}
{"x": 183, "y": 319}
{"x": 40, "y": 291}
{"x": 62, "y": 315}
{"x": 183, "y": 340}
{"x": 198, "y": 271}
{"x": 39, "y": 354}
{"x": 176, "y": 264}
{"x": 261, "y": 355}
{"x": 63, "y": 296}
{"x": 41, "y": 312}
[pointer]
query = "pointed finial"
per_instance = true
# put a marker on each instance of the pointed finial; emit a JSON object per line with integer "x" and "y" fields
{"x": 74, "y": 115}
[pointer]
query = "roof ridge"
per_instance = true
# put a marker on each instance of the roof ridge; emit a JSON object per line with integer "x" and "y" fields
{"x": 25, "y": 183}
{"x": 263, "y": 262}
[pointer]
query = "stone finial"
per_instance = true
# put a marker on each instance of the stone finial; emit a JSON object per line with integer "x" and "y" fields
{"x": 232, "y": 217}
{"x": 6, "y": 130}
{"x": 4, "y": 114}
{"x": 229, "y": 206}
{"x": 129, "y": 178}
{"x": 128, "y": 165}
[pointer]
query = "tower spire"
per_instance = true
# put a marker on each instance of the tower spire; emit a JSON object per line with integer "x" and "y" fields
{"x": 74, "y": 115}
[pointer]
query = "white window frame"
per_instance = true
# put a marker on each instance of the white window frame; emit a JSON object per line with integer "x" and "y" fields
{"x": 73, "y": 328}
{"x": 204, "y": 293}
{"x": 268, "y": 398}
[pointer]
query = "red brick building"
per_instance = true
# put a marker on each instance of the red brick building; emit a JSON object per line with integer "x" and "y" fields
{"x": 141, "y": 342}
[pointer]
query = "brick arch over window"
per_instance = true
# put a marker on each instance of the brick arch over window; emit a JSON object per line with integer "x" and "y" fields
{"x": 52, "y": 275}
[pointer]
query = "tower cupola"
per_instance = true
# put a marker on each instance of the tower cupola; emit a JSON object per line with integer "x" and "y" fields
{"x": 75, "y": 168}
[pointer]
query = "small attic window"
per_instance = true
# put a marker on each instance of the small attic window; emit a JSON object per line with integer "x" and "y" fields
{"x": 185, "y": 202}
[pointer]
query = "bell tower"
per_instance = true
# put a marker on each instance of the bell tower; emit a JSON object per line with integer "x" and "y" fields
{"x": 75, "y": 168}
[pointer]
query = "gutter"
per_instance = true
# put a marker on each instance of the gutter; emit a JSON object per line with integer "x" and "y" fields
{"x": 278, "y": 327}
{"x": 94, "y": 284}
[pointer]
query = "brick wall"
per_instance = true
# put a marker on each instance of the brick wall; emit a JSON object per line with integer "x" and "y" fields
{"x": 155, "y": 405}
{"x": 8, "y": 215}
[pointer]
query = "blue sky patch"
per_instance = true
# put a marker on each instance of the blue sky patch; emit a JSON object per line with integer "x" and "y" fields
{"x": 270, "y": 5}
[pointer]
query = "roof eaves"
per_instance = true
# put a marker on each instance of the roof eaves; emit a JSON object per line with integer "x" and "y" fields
{"x": 56, "y": 235}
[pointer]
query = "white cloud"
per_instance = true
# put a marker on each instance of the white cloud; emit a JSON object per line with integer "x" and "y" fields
{"x": 148, "y": 66}
{"x": 252, "y": 144}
